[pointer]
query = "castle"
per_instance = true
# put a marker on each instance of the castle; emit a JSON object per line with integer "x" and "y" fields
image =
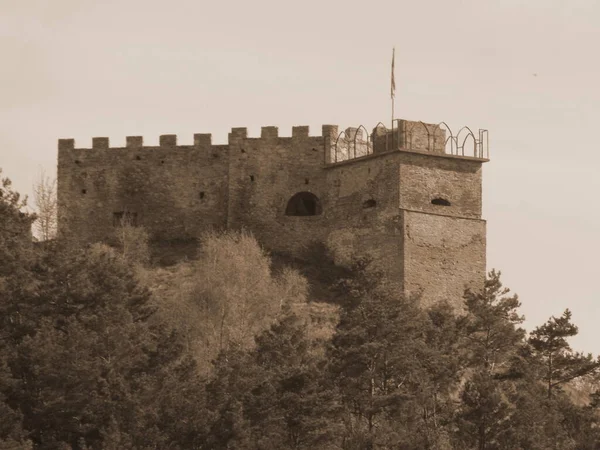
{"x": 410, "y": 197}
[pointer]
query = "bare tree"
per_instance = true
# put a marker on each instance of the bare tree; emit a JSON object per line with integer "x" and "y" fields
{"x": 44, "y": 194}
{"x": 133, "y": 240}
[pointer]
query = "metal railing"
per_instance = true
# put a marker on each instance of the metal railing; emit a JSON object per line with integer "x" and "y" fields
{"x": 437, "y": 138}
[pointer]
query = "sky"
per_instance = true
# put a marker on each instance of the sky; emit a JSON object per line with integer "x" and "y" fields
{"x": 527, "y": 71}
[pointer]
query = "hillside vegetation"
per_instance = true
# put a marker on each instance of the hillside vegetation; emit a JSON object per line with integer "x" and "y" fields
{"x": 237, "y": 348}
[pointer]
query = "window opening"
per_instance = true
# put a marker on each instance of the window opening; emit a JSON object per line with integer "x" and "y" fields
{"x": 440, "y": 202}
{"x": 121, "y": 218}
{"x": 303, "y": 204}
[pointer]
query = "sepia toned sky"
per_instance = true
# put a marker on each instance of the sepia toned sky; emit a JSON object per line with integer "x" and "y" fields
{"x": 528, "y": 71}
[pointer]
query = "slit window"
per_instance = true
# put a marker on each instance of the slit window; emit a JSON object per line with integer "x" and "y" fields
{"x": 303, "y": 204}
{"x": 440, "y": 202}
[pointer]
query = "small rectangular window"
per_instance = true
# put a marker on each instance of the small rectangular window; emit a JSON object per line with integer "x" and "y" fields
{"x": 121, "y": 218}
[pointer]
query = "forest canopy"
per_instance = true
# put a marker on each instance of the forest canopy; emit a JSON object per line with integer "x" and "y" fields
{"x": 102, "y": 348}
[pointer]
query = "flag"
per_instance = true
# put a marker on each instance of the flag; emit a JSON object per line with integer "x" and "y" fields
{"x": 393, "y": 80}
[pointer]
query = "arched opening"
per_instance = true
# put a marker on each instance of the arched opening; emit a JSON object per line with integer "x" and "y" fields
{"x": 440, "y": 202}
{"x": 370, "y": 203}
{"x": 303, "y": 204}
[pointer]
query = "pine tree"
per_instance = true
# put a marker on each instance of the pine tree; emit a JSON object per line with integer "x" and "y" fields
{"x": 88, "y": 356}
{"x": 16, "y": 259}
{"x": 274, "y": 396}
{"x": 491, "y": 325}
{"x": 492, "y": 343}
{"x": 561, "y": 363}
{"x": 389, "y": 359}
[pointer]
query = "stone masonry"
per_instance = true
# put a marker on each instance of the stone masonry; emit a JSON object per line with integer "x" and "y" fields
{"x": 398, "y": 196}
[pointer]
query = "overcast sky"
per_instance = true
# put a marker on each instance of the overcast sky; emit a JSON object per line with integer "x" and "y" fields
{"x": 528, "y": 71}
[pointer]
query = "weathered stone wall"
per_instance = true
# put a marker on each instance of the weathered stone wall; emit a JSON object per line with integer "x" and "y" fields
{"x": 442, "y": 256}
{"x": 444, "y": 252}
{"x": 265, "y": 173}
{"x": 375, "y": 203}
{"x": 410, "y": 135}
{"x": 362, "y": 213}
{"x": 352, "y": 143}
{"x": 175, "y": 191}
{"x": 425, "y": 177}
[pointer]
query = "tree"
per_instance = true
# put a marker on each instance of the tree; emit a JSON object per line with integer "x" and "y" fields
{"x": 89, "y": 366}
{"x": 15, "y": 230}
{"x": 492, "y": 343}
{"x": 275, "y": 396}
{"x": 444, "y": 361}
{"x": 236, "y": 291}
{"x": 387, "y": 359}
{"x": 503, "y": 403}
{"x": 306, "y": 411}
{"x": 561, "y": 363}
{"x": 491, "y": 325}
{"x": 132, "y": 241}
{"x": 44, "y": 194}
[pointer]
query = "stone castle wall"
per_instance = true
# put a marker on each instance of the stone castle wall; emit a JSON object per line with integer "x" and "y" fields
{"x": 174, "y": 191}
{"x": 370, "y": 202}
{"x": 442, "y": 255}
{"x": 264, "y": 173}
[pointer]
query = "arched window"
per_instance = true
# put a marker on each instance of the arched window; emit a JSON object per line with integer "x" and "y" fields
{"x": 303, "y": 204}
{"x": 440, "y": 202}
{"x": 370, "y": 203}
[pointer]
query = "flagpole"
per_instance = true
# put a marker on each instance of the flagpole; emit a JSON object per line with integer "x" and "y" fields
{"x": 392, "y": 117}
{"x": 392, "y": 122}
{"x": 393, "y": 92}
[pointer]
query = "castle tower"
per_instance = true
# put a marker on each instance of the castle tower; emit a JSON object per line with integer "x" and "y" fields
{"x": 410, "y": 198}
{"x": 414, "y": 205}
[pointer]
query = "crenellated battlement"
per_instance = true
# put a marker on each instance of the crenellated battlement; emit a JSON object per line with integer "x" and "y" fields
{"x": 408, "y": 196}
{"x": 272, "y": 132}
{"x": 203, "y": 139}
{"x": 334, "y": 145}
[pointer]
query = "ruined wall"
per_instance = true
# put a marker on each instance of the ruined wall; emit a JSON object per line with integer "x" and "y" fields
{"x": 174, "y": 191}
{"x": 442, "y": 256}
